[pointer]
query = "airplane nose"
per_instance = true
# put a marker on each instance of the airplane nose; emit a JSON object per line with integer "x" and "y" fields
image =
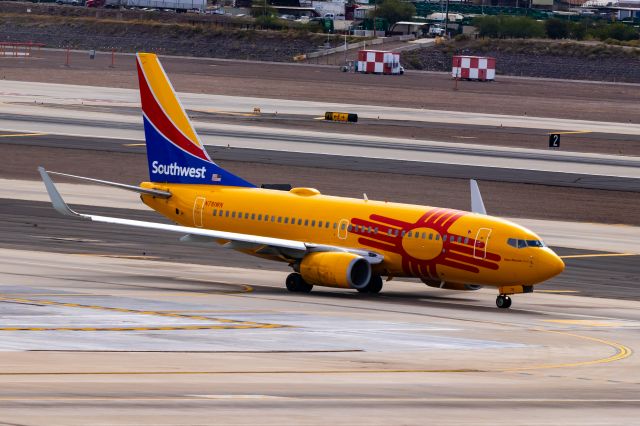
{"x": 554, "y": 265}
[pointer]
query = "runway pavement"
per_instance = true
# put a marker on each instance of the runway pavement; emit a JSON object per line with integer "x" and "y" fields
{"x": 48, "y": 93}
{"x": 110, "y": 340}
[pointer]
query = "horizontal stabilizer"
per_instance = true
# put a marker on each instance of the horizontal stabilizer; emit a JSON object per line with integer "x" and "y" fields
{"x": 154, "y": 192}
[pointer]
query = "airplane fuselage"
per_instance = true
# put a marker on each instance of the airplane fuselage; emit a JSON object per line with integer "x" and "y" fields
{"x": 437, "y": 245}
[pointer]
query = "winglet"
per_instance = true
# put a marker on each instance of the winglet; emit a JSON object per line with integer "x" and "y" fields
{"x": 477, "y": 206}
{"x": 56, "y": 199}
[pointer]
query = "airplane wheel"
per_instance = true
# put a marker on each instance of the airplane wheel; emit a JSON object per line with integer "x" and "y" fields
{"x": 374, "y": 286}
{"x": 503, "y": 302}
{"x": 295, "y": 283}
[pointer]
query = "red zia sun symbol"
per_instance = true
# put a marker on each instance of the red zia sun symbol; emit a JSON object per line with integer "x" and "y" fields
{"x": 420, "y": 253}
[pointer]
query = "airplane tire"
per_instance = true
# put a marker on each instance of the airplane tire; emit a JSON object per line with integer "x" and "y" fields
{"x": 296, "y": 284}
{"x": 374, "y": 286}
{"x": 503, "y": 302}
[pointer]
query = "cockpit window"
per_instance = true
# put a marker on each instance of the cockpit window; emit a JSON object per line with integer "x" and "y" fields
{"x": 514, "y": 242}
{"x": 535, "y": 243}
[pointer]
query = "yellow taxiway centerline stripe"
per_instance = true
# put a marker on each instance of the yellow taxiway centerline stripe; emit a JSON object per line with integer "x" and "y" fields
{"x": 18, "y": 135}
{"x": 621, "y": 352}
{"x": 577, "y": 132}
{"x": 587, "y": 323}
{"x": 577, "y": 256}
{"x": 557, "y": 291}
{"x": 226, "y": 323}
{"x": 133, "y": 144}
{"x": 205, "y": 398}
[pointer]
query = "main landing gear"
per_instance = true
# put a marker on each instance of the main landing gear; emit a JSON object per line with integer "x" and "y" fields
{"x": 374, "y": 286}
{"x": 503, "y": 301}
{"x": 295, "y": 283}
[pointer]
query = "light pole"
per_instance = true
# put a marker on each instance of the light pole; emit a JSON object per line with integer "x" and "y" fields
{"x": 446, "y": 20}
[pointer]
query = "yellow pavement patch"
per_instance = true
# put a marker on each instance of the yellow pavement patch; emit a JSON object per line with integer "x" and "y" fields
{"x": 226, "y": 323}
{"x": 17, "y": 135}
{"x": 577, "y": 256}
{"x": 587, "y": 323}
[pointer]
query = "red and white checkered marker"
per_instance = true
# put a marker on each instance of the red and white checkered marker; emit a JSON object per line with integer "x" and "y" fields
{"x": 474, "y": 68}
{"x": 378, "y": 62}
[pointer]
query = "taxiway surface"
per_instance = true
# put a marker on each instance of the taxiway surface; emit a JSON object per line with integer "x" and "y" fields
{"x": 109, "y": 130}
{"x": 113, "y": 340}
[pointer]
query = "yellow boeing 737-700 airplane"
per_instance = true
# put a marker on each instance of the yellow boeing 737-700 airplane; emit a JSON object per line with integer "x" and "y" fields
{"x": 328, "y": 241}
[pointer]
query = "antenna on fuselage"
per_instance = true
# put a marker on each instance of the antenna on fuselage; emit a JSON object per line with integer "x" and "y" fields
{"x": 477, "y": 205}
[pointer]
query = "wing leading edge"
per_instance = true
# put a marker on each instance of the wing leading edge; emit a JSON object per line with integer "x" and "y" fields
{"x": 294, "y": 249}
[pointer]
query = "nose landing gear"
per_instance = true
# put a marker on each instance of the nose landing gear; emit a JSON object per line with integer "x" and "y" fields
{"x": 503, "y": 301}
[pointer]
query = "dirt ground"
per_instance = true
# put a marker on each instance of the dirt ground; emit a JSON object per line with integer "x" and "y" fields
{"x": 513, "y": 96}
{"x": 502, "y": 199}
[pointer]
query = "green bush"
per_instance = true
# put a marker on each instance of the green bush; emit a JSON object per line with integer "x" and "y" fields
{"x": 617, "y": 31}
{"x": 622, "y": 32}
{"x": 556, "y": 28}
{"x": 262, "y": 8}
{"x": 509, "y": 27}
{"x": 578, "y": 30}
{"x": 393, "y": 11}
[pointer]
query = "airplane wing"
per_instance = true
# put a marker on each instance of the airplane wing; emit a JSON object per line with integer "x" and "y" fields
{"x": 290, "y": 249}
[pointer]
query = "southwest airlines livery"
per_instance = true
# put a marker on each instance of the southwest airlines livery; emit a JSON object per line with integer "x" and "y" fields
{"x": 328, "y": 241}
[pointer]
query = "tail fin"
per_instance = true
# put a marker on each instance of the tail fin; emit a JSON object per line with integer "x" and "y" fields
{"x": 174, "y": 151}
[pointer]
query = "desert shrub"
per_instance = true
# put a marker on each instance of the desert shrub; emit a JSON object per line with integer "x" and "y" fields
{"x": 578, "y": 30}
{"x": 509, "y": 27}
{"x": 617, "y": 31}
{"x": 394, "y": 11}
{"x": 556, "y": 28}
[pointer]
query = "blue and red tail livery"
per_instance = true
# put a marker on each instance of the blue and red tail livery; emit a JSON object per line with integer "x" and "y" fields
{"x": 174, "y": 151}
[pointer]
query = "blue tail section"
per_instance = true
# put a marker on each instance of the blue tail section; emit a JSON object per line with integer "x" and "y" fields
{"x": 174, "y": 151}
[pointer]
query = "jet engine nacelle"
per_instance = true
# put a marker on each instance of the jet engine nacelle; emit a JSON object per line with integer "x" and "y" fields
{"x": 335, "y": 269}
{"x": 452, "y": 286}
